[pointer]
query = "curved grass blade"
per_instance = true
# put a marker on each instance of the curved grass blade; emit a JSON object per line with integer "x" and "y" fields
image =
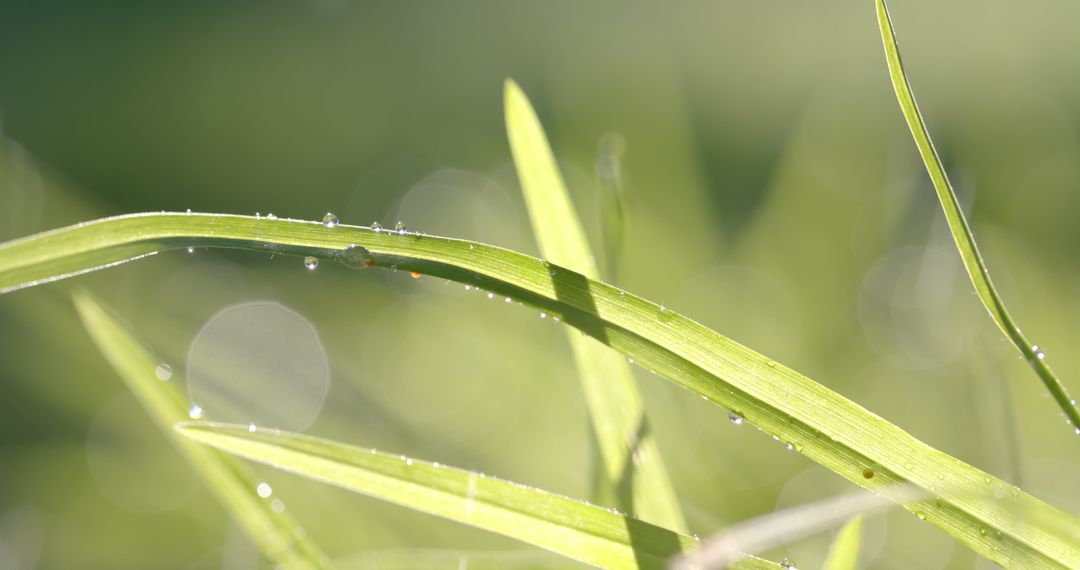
{"x": 632, "y": 463}
{"x": 844, "y": 551}
{"x": 958, "y": 225}
{"x": 575, "y": 529}
{"x": 991, "y": 516}
{"x": 276, "y": 534}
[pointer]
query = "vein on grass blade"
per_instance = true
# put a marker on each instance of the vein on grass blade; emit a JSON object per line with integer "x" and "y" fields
{"x": 959, "y": 227}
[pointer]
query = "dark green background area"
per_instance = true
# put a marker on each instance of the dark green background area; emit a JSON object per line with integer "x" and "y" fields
{"x": 773, "y": 193}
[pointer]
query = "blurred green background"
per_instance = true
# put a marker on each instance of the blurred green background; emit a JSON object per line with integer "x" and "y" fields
{"x": 773, "y": 194}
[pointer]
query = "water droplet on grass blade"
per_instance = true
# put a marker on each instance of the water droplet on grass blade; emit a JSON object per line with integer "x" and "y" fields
{"x": 376, "y": 226}
{"x": 251, "y": 428}
{"x": 264, "y": 490}
{"x": 163, "y": 372}
{"x": 190, "y": 249}
{"x": 270, "y": 216}
{"x": 357, "y": 257}
{"x": 311, "y": 262}
{"x": 399, "y": 227}
{"x": 787, "y": 563}
{"x": 329, "y": 220}
{"x": 195, "y": 412}
{"x": 735, "y": 418}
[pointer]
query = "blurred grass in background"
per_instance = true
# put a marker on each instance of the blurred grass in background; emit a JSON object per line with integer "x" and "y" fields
{"x": 774, "y": 194}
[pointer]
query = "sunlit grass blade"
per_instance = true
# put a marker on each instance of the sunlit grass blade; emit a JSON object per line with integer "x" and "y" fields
{"x": 277, "y": 534}
{"x": 844, "y": 551}
{"x": 566, "y": 526}
{"x": 958, "y": 225}
{"x": 631, "y": 459}
{"x": 989, "y": 515}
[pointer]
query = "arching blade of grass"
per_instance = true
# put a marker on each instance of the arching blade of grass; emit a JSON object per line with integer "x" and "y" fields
{"x": 991, "y": 516}
{"x": 566, "y": 526}
{"x": 632, "y": 463}
{"x": 958, "y": 225}
{"x": 844, "y": 551}
{"x": 277, "y": 534}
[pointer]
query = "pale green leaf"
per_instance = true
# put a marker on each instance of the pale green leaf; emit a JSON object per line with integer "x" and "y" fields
{"x": 631, "y": 459}
{"x": 844, "y": 551}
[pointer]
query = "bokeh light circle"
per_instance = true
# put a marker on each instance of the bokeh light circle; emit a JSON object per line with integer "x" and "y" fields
{"x": 259, "y": 363}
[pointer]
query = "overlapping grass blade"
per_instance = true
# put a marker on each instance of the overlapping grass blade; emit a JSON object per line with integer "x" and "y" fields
{"x": 631, "y": 459}
{"x": 572, "y": 528}
{"x": 989, "y": 515}
{"x": 277, "y": 534}
{"x": 844, "y": 551}
{"x": 958, "y": 225}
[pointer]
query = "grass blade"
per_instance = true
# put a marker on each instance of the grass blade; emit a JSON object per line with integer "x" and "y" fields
{"x": 566, "y": 526}
{"x": 989, "y": 515}
{"x": 276, "y": 534}
{"x": 631, "y": 459}
{"x": 958, "y": 225}
{"x": 844, "y": 552}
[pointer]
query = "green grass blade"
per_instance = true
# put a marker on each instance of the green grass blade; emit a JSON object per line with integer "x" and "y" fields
{"x": 958, "y": 225}
{"x": 844, "y": 551}
{"x": 277, "y": 534}
{"x": 575, "y": 529}
{"x": 631, "y": 459}
{"x": 989, "y": 515}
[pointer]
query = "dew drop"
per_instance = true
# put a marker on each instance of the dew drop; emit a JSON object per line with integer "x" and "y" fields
{"x": 982, "y": 531}
{"x": 195, "y": 412}
{"x": 163, "y": 372}
{"x": 264, "y": 490}
{"x": 629, "y": 360}
{"x": 376, "y": 226}
{"x": 787, "y": 563}
{"x": 408, "y": 461}
{"x": 507, "y": 300}
{"x": 543, "y": 315}
{"x": 251, "y": 428}
{"x": 920, "y": 516}
{"x": 190, "y": 249}
{"x": 329, "y": 220}
{"x": 311, "y": 262}
{"x": 1077, "y": 431}
{"x": 399, "y": 227}
{"x": 790, "y": 447}
{"x": 258, "y": 216}
{"x": 770, "y": 363}
{"x": 277, "y": 505}
{"x": 415, "y": 274}
{"x": 735, "y": 418}
{"x": 270, "y": 216}
{"x": 189, "y": 211}
{"x": 491, "y": 295}
{"x": 471, "y": 246}
{"x": 357, "y": 257}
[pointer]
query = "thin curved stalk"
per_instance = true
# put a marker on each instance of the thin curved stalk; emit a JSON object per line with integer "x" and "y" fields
{"x": 958, "y": 225}
{"x": 989, "y": 515}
